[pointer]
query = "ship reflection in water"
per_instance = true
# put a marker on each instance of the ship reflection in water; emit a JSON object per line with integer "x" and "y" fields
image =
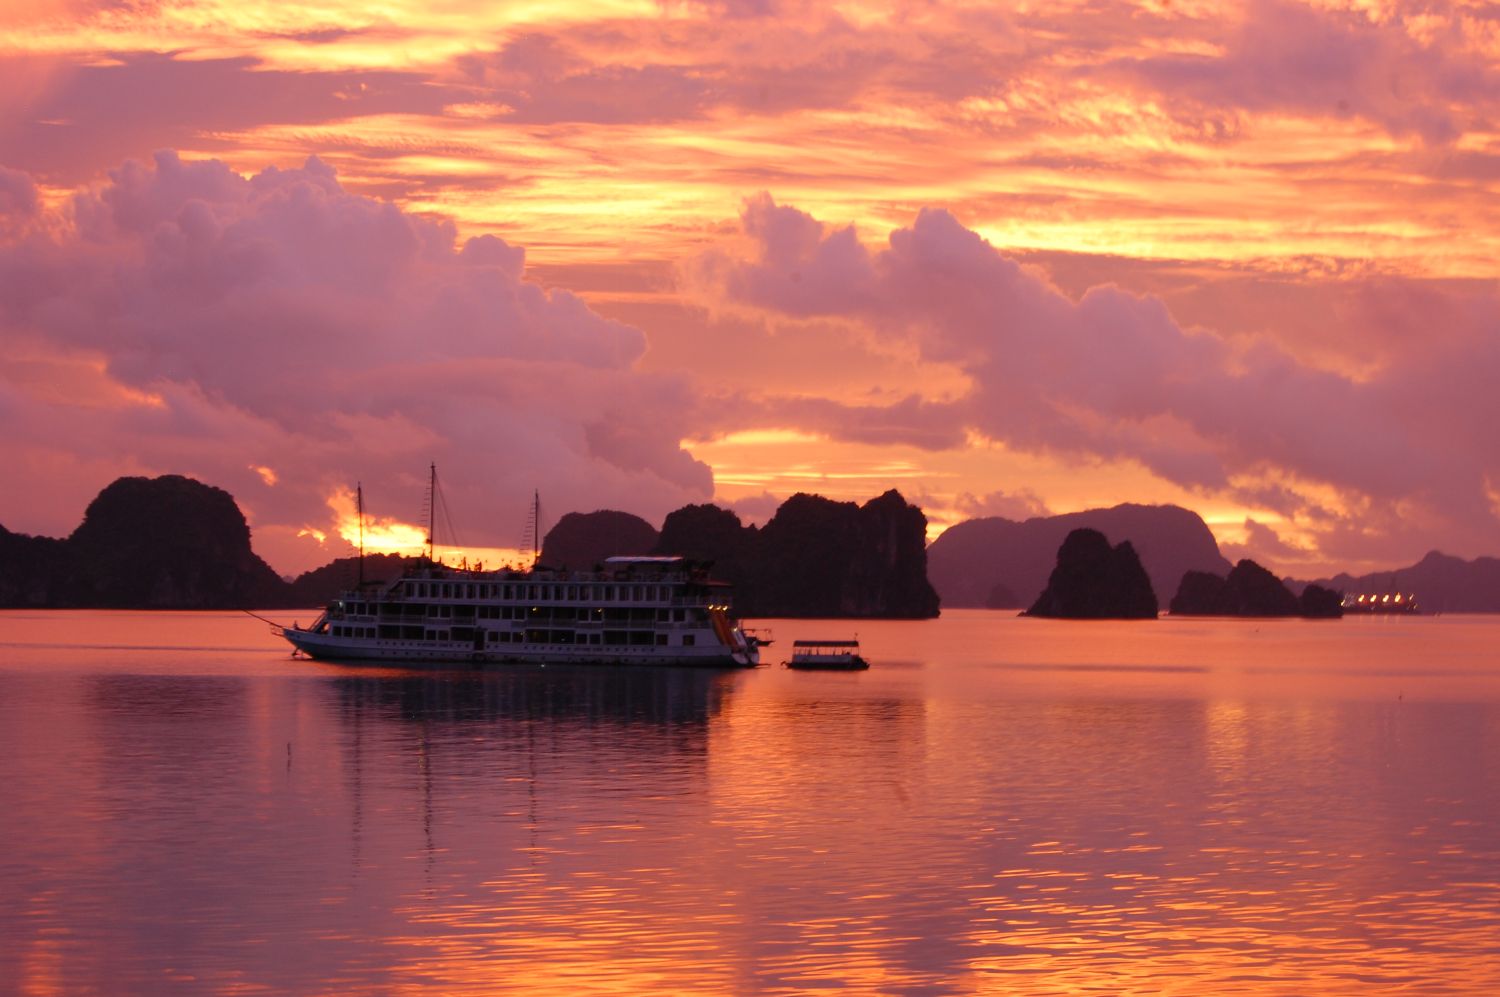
{"x": 999, "y": 806}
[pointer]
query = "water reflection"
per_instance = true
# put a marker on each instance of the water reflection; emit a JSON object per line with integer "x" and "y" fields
{"x": 645, "y": 697}
{"x": 923, "y": 830}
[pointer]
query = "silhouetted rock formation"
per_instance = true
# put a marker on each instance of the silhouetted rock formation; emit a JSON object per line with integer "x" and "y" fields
{"x": 1200, "y": 593}
{"x": 32, "y": 569}
{"x": 321, "y": 586}
{"x": 1317, "y": 602}
{"x": 710, "y": 534}
{"x": 1094, "y": 581}
{"x": 145, "y": 543}
{"x": 976, "y": 563}
{"x": 816, "y": 557}
{"x": 1249, "y": 590}
{"x": 581, "y": 540}
{"x": 1441, "y": 583}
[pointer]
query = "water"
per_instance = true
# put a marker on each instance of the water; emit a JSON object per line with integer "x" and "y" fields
{"x": 998, "y": 806}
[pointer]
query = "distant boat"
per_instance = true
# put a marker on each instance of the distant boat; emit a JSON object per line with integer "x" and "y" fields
{"x": 1381, "y": 604}
{"x": 827, "y": 655}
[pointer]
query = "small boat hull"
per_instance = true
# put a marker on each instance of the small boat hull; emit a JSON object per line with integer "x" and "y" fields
{"x": 827, "y": 656}
{"x": 854, "y": 663}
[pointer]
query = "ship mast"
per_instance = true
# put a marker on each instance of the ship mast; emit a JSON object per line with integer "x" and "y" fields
{"x": 536, "y": 527}
{"x": 359, "y": 504}
{"x": 431, "y": 508}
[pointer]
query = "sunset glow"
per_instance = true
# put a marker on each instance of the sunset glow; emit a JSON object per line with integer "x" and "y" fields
{"x": 1007, "y": 259}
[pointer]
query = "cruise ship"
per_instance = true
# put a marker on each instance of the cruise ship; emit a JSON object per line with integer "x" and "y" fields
{"x": 629, "y": 611}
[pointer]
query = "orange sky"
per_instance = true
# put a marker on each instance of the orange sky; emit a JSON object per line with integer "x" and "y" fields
{"x": 768, "y": 247}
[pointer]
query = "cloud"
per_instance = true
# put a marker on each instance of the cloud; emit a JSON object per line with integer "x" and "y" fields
{"x": 186, "y": 318}
{"x": 1263, "y": 545}
{"x": 81, "y": 116}
{"x": 18, "y": 198}
{"x": 1328, "y": 63}
{"x": 1019, "y": 505}
{"x": 1111, "y": 375}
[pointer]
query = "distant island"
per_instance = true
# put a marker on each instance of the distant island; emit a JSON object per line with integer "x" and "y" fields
{"x": 176, "y": 543}
{"x": 814, "y": 558}
{"x": 1096, "y": 581}
{"x": 1251, "y": 590}
{"x": 144, "y": 543}
{"x": 1442, "y": 583}
{"x": 1000, "y": 563}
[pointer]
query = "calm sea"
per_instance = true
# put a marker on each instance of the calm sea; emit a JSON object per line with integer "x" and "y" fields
{"x": 998, "y": 806}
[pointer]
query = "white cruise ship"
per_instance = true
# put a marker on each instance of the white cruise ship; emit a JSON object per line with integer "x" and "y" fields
{"x": 633, "y": 611}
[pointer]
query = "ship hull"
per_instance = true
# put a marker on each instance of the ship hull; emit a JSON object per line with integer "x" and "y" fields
{"x": 343, "y": 650}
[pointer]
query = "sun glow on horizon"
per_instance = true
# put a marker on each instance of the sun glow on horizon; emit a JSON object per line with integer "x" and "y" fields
{"x": 389, "y": 535}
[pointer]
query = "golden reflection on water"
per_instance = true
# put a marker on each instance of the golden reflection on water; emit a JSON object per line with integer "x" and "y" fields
{"x": 996, "y": 807}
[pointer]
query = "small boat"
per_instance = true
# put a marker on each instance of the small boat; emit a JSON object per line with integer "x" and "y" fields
{"x": 828, "y": 655}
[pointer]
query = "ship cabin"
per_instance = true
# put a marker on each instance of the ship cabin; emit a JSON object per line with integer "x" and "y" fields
{"x": 626, "y": 602}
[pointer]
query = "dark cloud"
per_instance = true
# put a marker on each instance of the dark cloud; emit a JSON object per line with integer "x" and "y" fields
{"x": 1327, "y": 63}
{"x": 280, "y": 321}
{"x": 1264, "y": 546}
{"x": 18, "y": 199}
{"x": 84, "y": 115}
{"x": 1111, "y": 374}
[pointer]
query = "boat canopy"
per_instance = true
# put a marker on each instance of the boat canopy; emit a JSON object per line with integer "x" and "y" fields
{"x": 825, "y": 643}
{"x": 644, "y": 559}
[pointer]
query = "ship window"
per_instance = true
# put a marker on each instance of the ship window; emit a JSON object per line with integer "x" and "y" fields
{"x": 688, "y": 640}
{"x": 677, "y": 615}
{"x": 609, "y": 593}
{"x": 661, "y": 638}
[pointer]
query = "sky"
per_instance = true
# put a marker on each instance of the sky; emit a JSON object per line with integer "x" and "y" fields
{"x": 1008, "y": 259}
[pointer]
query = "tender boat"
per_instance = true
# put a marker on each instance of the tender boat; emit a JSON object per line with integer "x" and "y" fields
{"x": 832, "y": 655}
